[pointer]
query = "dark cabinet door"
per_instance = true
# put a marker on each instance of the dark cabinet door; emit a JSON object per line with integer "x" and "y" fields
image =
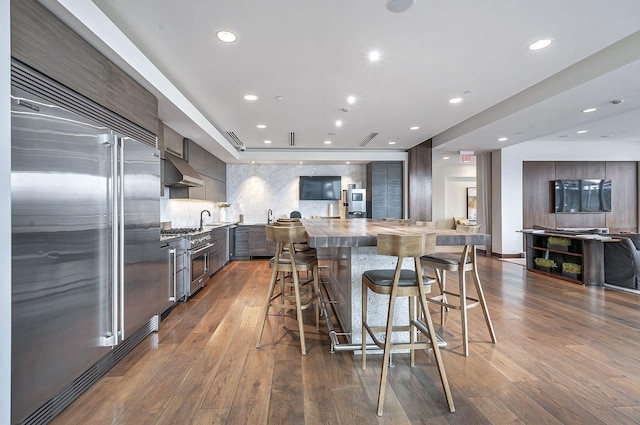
{"x": 241, "y": 249}
{"x": 385, "y": 194}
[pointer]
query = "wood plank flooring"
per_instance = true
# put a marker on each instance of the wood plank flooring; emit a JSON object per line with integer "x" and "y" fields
{"x": 566, "y": 354}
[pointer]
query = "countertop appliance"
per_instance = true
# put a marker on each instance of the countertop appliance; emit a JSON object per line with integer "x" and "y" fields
{"x": 357, "y": 203}
{"x": 87, "y": 269}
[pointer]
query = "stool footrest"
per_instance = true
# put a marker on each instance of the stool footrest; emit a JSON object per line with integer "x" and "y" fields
{"x": 438, "y": 300}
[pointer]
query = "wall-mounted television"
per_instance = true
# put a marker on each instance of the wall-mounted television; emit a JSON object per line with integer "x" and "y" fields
{"x": 577, "y": 196}
{"x": 320, "y": 188}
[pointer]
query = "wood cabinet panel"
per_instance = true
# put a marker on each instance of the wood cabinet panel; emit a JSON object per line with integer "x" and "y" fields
{"x": 537, "y": 183}
{"x": 572, "y": 170}
{"x": 45, "y": 43}
{"x": 420, "y": 182}
{"x": 624, "y": 196}
{"x": 129, "y": 99}
{"x": 215, "y": 191}
{"x": 537, "y": 194}
{"x": 173, "y": 142}
{"x": 258, "y": 244}
{"x": 394, "y": 189}
{"x": 251, "y": 241}
{"x": 384, "y": 189}
{"x": 198, "y": 158}
{"x": 220, "y": 254}
{"x": 42, "y": 41}
{"x": 205, "y": 163}
{"x": 241, "y": 249}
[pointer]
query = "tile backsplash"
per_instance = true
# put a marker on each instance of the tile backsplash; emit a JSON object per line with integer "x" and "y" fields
{"x": 253, "y": 189}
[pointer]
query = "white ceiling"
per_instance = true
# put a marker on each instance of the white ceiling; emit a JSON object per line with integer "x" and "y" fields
{"x": 314, "y": 55}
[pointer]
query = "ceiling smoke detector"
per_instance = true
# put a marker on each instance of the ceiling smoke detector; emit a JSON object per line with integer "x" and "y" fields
{"x": 399, "y": 6}
{"x": 617, "y": 101}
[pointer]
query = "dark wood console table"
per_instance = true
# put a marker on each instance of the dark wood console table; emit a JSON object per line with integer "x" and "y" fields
{"x": 586, "y": 250}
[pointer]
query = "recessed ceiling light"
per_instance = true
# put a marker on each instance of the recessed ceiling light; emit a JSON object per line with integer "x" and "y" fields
{"x": 581, "y": 131}
{"x": 586, "y": 111}
{"x": 348, "y": 162}
{"x": 455, "y": 100}
{"x": 261, "y": 126}
{"x": 503, "y": 139}
{"x": 301, "y": 162}
{"x": 250, "y": 97}
{"x": 415, "y": 127}
{"x": 279, "y": 98}
{"x": 338, "y": 123}
{"x": 226, "y": 36}
{"x": 392, "y": 143}
{"x": 351, "y": 99}
{"x": 540, "y": 44}
{"x": 267, "y": 141}
{"x": 399, "y": 6}
{"x": 445, "y": 157}
{"x": 327, "y": 142}
{"x": 253, "y": 162}
{"x": 374, "y": 55}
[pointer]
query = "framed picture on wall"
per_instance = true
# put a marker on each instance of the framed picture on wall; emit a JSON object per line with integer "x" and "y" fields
{"x": 472, "y": 206}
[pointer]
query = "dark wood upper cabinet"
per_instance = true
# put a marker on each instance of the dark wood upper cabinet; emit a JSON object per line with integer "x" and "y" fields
{"x": 45, "y": 43}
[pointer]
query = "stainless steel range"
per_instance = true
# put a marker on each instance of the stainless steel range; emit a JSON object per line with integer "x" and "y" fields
{"x": 197, "y": 259}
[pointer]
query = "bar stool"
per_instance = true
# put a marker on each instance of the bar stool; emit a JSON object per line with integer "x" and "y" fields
{"x": 444, "y": 262}
{"x": 401, "y": 283}
{"x": 291, "y": 263}
{"x": 301, "y": 247}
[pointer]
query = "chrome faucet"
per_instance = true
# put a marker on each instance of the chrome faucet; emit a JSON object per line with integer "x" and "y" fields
{"x": 202, "y": 217}
{"x": 269, "y": 215}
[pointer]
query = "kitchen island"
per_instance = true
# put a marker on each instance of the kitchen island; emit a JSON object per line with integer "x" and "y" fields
{"x": 347, "y": 247}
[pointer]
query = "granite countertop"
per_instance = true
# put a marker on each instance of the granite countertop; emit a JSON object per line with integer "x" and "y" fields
{"x": 364, "y": 232}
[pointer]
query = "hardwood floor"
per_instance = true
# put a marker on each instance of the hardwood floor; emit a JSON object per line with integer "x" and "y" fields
{"x": 566, "y": 354}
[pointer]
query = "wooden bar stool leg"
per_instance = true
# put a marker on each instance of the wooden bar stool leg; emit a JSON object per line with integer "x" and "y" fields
{"x": 436, "y": 349}
{"x": 296, "y": 287}
{"x": 265, "y": 311}
{"x": 364, "y": 320}
{"x": 481, "y": 299}
{"x": 316, "y": 288}
{"x": 463, "y": 310}
{"x": 386, "y": 356}
{"x": 412, "y": 329}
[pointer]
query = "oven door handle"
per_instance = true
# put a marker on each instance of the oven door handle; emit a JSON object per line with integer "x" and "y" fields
{"x": 199, "y": 250}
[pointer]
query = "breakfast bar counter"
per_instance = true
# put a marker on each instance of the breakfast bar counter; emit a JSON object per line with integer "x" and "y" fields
{"x": 347, "y": 247}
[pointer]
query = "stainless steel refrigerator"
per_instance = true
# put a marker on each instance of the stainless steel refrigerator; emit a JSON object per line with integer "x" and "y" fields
{"x": 87, "y": 270}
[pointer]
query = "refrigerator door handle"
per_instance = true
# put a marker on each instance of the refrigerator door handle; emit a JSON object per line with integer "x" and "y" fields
{"x": 173, "y": 253}
{"x": 112, "y": 337}
{"x": 121, "y": 263}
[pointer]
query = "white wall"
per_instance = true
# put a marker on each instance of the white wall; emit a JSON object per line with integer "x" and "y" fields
{"x": 5, "y": 215}
{"x": 252, "y": 189}
{"x": 507, "y": 184}
{"x": 449, "y": 185}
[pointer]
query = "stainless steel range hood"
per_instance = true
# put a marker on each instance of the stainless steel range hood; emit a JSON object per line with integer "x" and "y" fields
{"x": 178, "y": 172}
